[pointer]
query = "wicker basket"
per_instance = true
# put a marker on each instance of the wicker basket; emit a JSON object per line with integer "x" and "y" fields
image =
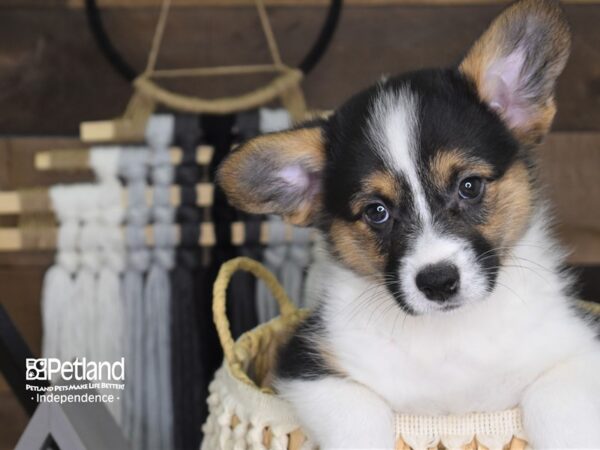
{"x": 244, "y": 413}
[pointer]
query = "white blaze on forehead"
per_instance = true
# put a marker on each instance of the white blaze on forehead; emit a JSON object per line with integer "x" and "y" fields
{"x": 393, "y": 129}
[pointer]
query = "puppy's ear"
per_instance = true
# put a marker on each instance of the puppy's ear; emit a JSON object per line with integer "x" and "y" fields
{"x": 277, "y": 173}
{"x": 516, "y": 62}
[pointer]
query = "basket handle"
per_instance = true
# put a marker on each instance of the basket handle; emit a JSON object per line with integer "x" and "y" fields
{"x": 219, "y": 298}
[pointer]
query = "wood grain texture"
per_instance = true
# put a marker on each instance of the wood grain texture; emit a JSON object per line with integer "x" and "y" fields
{"x": 12, "y": 420}
{"x": 52, "y": 77}
{"x": 236, "y": 3}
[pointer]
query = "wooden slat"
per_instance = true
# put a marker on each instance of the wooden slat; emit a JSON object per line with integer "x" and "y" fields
{"x": 570, "y": 169}
{"x": 77, "y": 4}
{"x": 10, "y": 203}
{"x": 53, "y": 76}
{"x": 12, "y": 239}
{"x": 74, "y": 159}
{"x": 17, "y": 157}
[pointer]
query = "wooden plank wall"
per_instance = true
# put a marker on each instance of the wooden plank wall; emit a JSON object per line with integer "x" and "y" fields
{"x": 52, "y": 77}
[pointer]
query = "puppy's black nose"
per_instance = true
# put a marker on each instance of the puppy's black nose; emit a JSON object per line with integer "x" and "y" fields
{"x": 438, "y": 282}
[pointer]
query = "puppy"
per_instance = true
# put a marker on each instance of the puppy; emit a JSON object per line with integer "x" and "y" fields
{"x": 444, "y": 291}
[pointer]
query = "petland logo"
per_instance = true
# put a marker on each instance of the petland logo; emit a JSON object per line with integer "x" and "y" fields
{"x": 81, "y": 370}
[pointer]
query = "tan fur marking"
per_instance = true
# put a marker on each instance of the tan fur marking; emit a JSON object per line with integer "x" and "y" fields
{"x": 509, "y": 203}
{"x": 332, "y": 362}
{"x": 447, "y": 163}
{"x": 382, "y": 183}
{"x": 356, "y": 245}
{"x": 379, "y": 184}
{"x": 305, "y": 144}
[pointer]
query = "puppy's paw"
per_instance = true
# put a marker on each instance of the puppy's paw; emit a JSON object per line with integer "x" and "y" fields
{"x": 340, "y": 414}
{"x": 561, "y": 410}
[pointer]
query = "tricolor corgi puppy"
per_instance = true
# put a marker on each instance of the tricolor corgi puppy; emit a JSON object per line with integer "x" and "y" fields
{"x": 444, "y": 291}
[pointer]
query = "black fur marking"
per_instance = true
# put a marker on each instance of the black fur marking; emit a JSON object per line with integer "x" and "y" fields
{"x": 299, "y": 358}
{"x": 450, "y": 116}
{"x": 592, "y": 320}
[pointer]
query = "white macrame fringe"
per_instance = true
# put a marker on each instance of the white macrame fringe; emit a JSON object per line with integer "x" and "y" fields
{"x": 133, "y": 166}
{"x": 58, "y": 285}
{"x": 157, "y": 291}
{"x": 110, "y": 309}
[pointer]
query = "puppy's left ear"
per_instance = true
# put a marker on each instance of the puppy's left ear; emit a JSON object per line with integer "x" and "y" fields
{"x": 278, "y": 173}
{"x": 516, "y": 62}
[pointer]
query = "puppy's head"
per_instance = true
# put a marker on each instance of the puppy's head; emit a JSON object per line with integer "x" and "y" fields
{"x": 422, "y": 181}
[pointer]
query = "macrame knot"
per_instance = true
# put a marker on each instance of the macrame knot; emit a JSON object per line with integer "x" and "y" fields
{"x": 163, "y": 214}
{"x": 112, "y": 239}
{"x": 188, "y": 258}
{"x": 159, "y": 130}
{"x": 138, "y": 216}
{"x": 104, "y": 161}
{"x": 69, "y": 260}
{"x": 247, "y": 125}
{"x": 136, "y": 194}
{"x": 164, "y": 258}
{"x": 189, "y": 216}
{"x": 187, "y": 174}
{"x": 163, "y": 172}
{"x": 114, "y": 260}
{"x": 165, "y": 235}
{"x": 89, "y": 246}
{"x": 133, "y": 163}
{"x": 161, "y": 196}
{"x": 298, "y": 252}
{"x": 277, "y": 230}
{"x": 88, "y": 200}
{"x": 138, "y": 259}
{"x": 68, "y": 236}
{"x": 135, "y": 237}
{"x": 65, "y": 202}
{"x": 272, "y": 120}
{"x": 276, "y": 255}
{"x": 110, "y": 203}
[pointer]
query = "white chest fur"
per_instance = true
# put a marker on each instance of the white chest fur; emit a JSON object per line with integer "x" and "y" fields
{"x": 478, "y": 358}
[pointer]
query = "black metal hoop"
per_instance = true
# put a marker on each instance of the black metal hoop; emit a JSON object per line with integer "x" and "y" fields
{"x": 119, "y": 63}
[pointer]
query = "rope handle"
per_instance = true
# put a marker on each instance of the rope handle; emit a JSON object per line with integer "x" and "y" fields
{"x": 289, "y": 79}
{"x": 227, "y": 270}
{"x": 593, "y": 308}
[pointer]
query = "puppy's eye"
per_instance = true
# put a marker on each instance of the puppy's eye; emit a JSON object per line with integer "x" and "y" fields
{"x": 376, "y": 214}
{"x": 470, "y": 188}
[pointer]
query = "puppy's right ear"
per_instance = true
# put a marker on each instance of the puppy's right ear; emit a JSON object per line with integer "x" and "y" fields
{"x": 277, "y": 173}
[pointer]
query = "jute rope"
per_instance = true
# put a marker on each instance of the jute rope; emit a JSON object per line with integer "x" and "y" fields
{"x": 158, "y": 36}
{"x": 285, "y": 85}
{"x": 260, "y": 96}
{"x": 288, "y": 310}
{"x": 593, "y": 308}
{"x": 267, "y": 31}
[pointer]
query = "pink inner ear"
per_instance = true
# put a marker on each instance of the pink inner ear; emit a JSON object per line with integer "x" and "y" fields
{"x": 296, "y": 177}
{"x": 504, "y": 84}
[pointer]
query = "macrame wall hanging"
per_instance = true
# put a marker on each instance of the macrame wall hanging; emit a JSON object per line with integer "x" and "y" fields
{"x": 149, "y": 93}
{"x": 138, "y": 249}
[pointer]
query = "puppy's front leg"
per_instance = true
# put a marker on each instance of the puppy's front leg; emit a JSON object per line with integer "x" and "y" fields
{"x": 340, "y": 414}
{"x": 561, "y": 410}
